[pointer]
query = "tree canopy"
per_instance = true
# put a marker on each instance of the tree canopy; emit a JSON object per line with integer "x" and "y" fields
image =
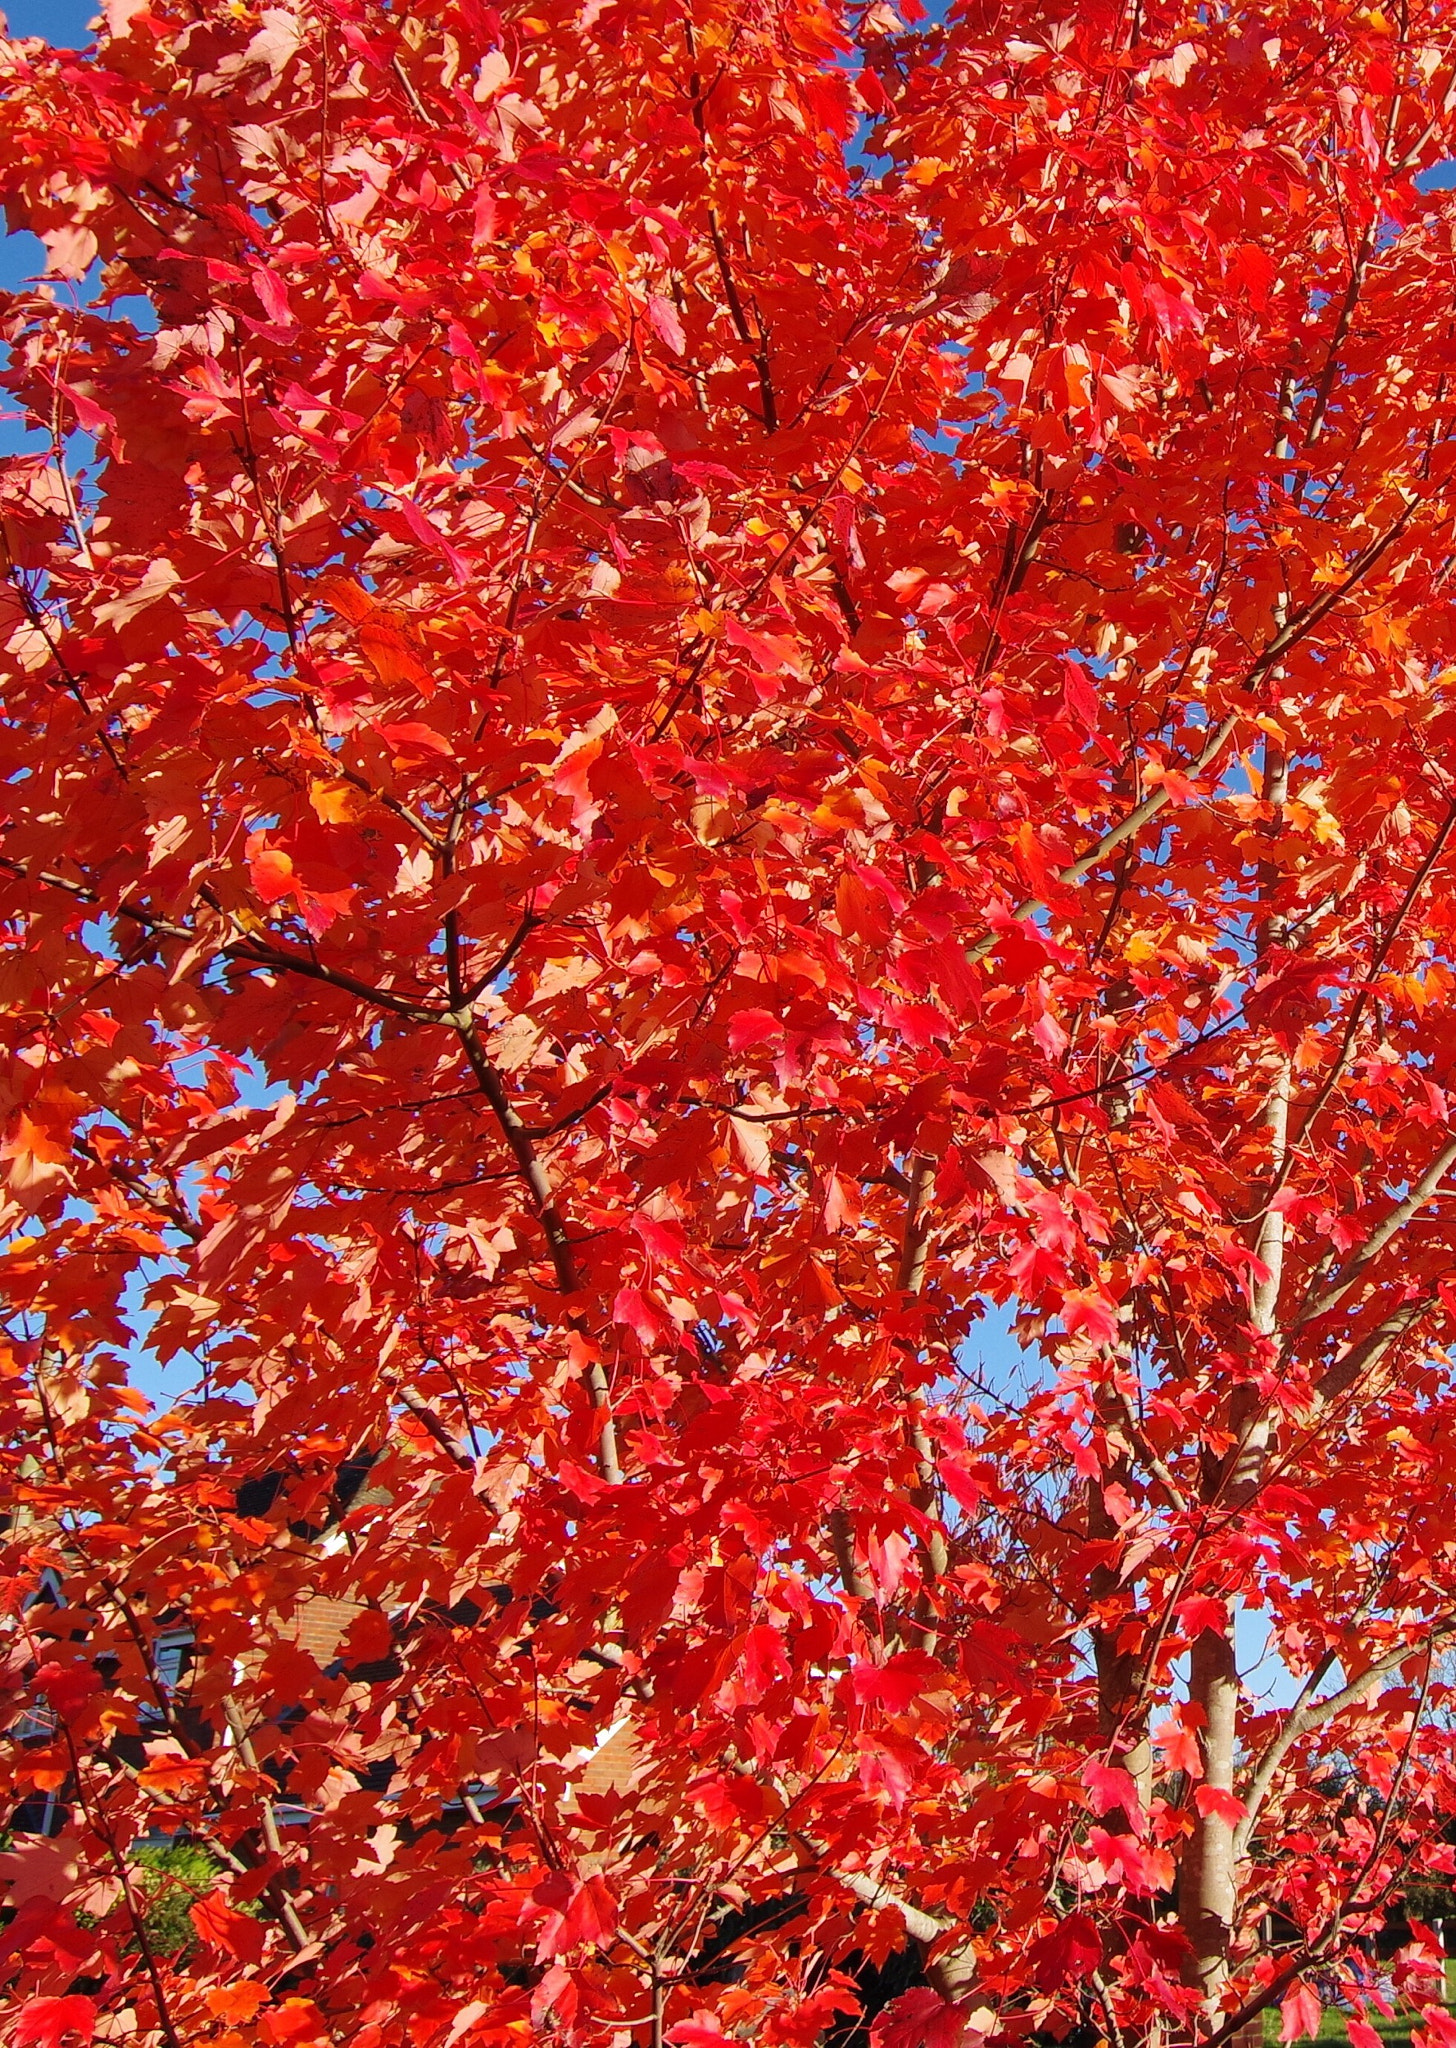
{"x": 729, "y": 772}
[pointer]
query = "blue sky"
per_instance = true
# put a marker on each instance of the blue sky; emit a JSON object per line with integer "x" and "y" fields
{"x": 59, "y": 21}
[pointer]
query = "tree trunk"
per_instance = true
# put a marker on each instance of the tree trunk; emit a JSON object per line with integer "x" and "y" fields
{"x": 1207, "y": 1877}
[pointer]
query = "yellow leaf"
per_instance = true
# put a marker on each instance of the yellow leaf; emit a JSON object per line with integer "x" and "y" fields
{"x": 337, "y": 803}
{"x": 237, "y": 2001}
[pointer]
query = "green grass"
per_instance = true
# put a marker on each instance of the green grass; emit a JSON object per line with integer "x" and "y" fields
{"x": 1396, "y": 2032}
{"x": 171, "y": 1877}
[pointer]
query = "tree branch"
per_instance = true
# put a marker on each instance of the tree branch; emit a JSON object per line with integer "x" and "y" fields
{"x": 1142, "y": 814}
{"x": 1380, "y": 1237}
{"x": 425, "y": 1415}
{"x": 1342, "y": 1375}
{"x": 563, "y": 1258}
{"x": 1305, "y": 1719}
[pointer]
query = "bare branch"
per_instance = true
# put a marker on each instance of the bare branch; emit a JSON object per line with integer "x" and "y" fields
{"x": 1342, "y": 1375}
{"x": 425, "y": 1415}
{"x": 1428, "y": 1185}
{"x": 1305, "y": 1719}
{"x": 563, "y": 1258}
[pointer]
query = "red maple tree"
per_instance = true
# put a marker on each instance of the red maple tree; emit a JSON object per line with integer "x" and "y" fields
{"x": 697, "y": 702}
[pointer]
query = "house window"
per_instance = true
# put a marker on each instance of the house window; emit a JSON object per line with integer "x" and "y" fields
{"x": 43, "y": 1813}
{"x": 169, "y": 1663}
{"x": 38, "y": 1724}
{"x": 47, "y": 1591}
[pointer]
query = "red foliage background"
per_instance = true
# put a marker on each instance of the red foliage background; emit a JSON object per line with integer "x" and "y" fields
{"x": 690, "y": 698}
